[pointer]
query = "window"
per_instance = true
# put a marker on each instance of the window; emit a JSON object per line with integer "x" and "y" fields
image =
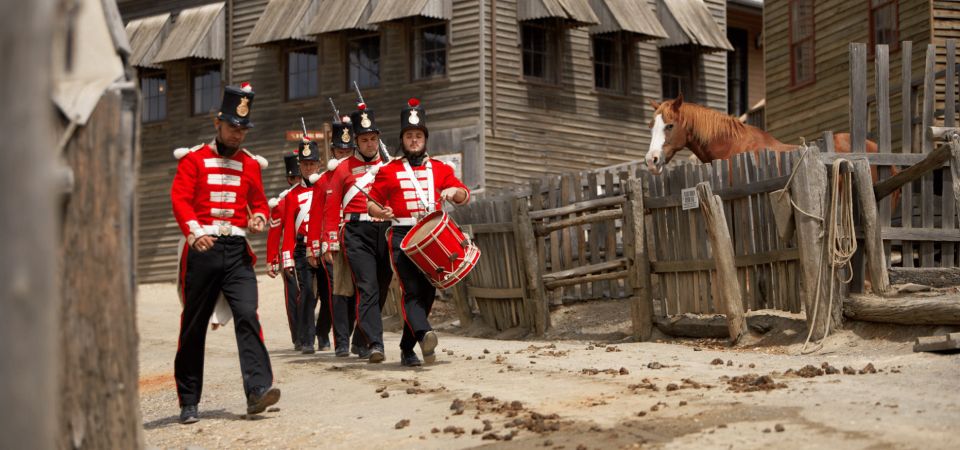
{"x": 679, "y": 66}
{"x": 206, "y": 87}
{"x": 884, "y": 27}
{"x": 430, "y": 51}
{"x": 737, "y": 87}
{"x": 610, "y": 61}
{"x": 539, "y": 42}
{"x": 364, "y": 61}
{"x": 153, "y": 88}
{"x": 303, "y": 80}
{"x": 801, "y": 42}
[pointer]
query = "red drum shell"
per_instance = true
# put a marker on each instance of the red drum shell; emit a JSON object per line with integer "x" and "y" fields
{"x": 441, "y": 251}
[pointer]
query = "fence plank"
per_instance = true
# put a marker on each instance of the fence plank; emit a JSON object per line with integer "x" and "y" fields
{"x": 691, "y": 244}
{"x": 858, "y": 97}
{"x": 926, "y": 183}
{"x": 535, "y": 300}
{"x": 610, "y": 247}
{"x": 876, "y": 261}
{"x": 567, "y": 236}
{"x": 906, "y": 99}
{"x": 948, "y": 210}
{"x": 595, "y": 289}
{"x": 634, "y": 223}
{"x": 711, "y": 208}
{"x": 884, "y": 145}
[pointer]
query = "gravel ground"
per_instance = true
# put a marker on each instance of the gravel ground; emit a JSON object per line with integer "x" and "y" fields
{"x": 586, "y": 386}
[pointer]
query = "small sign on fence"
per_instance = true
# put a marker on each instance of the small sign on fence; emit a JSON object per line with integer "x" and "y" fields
{"x": 689, "y": 197}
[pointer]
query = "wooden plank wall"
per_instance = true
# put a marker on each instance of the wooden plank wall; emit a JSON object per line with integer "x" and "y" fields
{"x": 809, "y": 110}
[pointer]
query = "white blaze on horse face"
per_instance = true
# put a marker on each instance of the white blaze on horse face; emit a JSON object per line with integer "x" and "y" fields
{"x": 658, "y": 136}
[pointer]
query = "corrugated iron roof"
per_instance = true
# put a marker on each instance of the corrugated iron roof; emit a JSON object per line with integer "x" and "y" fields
{"x": 284, "y": 20}
{"x": 146, "y": 37}
{"x": 196, "y": 33}
{"x": 689, "y": 22}
{"x": 339, "y": 15}
{"x": 633, "y": 16}
{"x": 576, "y": 11}
{"x": 387, "y": 10}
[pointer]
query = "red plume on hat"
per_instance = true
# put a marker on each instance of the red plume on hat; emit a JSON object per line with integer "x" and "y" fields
{"x": 246, "y": 87}
{"x": 413, "y": 102}
{"x": 362, "y": 106}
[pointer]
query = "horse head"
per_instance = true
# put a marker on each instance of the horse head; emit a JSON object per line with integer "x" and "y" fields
{"x": 667, "y": 134}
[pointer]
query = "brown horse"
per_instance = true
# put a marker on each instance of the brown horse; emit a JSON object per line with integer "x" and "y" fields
{"x": 712, "y": 135}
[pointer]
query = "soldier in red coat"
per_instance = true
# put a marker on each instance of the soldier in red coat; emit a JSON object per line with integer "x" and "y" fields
{"x": 291, "y": 290}
{"x": 409, "y": 188}
{"x": 296, "y": 225}
{"x": 343, "y": 308}
{"x": 360, "y": 236}
{"x": 217, "y": 196}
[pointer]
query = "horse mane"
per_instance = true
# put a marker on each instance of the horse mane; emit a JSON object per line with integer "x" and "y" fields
{"x": 705, "y": 125}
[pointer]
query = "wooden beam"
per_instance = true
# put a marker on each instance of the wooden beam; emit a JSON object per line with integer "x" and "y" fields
{"x": 904, "y": 310}
{"x": 605, "y": 202}
{"x": 876, "y": 159}
{"x": 638, "y": 264}
{"x": 688, "y": 325}
{"x": 938, "y": 277}
{"x": 489, "y": 228}
{"x": 876, "y": 259}
{"x": 722, "y": 246}
{"x": 585, "y": 270}
{"x": 620, "y": 274}
{"x": 494, "y": 293}
{"x": 599, "y": 216}
{"x": 754, "y": 259}
{"x": 943, "y": 133}
{"x": 535, "y": 300}
{"x": 931, "y": 161}
{"x": 729, "y": 193}
{"x": 809, "y": 191}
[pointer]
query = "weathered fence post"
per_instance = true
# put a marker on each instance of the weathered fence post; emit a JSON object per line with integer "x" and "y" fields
{"x": 722, "y": 246}
{"x": 876, "y": 260}
{"x": 638, "y": 265}
{"x": 535, "y": 299}
{"x": 955, "y": 171}
{"x": 809, "y": 192}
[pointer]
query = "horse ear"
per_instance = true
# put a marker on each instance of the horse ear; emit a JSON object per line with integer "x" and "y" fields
{"x": 654, "y": 104}
{"x": 678, "y": 101}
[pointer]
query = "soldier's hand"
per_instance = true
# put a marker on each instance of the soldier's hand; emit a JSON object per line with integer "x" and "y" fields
{"x": 328, "y": 257}
{"x": 450, "y": 194}
{"x": 290, "y": 271}
{"x": 272, "y": 270}
{"x": 312, "y": 260}
{"x": 256, "y": 224}
{"x": 387, "y": 213}
{"x": 204, "y": 243}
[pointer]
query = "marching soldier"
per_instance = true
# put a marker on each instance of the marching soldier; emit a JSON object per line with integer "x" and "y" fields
{"x": 343, "y": 307}
{"x": 296, "y": 218}
{"x": 291, "y": 291}
{"x": 361, "y": 237}
{"x": 410, "y": 188}
{"x": 217, "y": 192}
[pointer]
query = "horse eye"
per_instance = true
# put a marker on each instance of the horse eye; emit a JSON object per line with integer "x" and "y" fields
{"x": 669, "y": 127}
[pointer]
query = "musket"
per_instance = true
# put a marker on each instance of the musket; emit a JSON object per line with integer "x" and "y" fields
{"x": 383, "y": 148}
{"x": 336, "y": 112}
{"x": 304, "y": 124}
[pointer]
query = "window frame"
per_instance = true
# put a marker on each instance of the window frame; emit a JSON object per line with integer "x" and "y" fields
{"x": 415, "y": 28}
{"x": 356, "y": 36}
{"x": 153, "y": 74}
{"x": 871, "y": 49}
{"x": 623, "y": 46}
{"x": 286, "y": 71}
{"x": 552, "y": 64}
{"x": 696, "y": 64}
{"x": 793, "y": 42}
{"x": 194, "y": 68}
{"x": 744, "y": 74}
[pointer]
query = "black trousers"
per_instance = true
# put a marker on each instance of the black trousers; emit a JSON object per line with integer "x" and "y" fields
{"x": 311, "y": 280}
{"x": 344, "y": 312}
{"x": 369, "y": 257}
{"x": 418, "y": 294}
{"x": 227, "y": 267}
{"x": 291, "y": 299}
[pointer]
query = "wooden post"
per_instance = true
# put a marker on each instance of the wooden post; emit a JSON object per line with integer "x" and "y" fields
{"x": 955, "y": 172}
{"x": 535, "y": 300}
{"x": 809, "y": 192}
{"x": 29, "y": 282}
{"x": 729, "y": 287}
{"x": 638, "y": 265}
{"x": 858, "y": 97}
{"x": 876, "y": 260}
{"x": 462, "y": 303}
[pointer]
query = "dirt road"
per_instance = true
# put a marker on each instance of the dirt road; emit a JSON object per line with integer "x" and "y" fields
{"x": 564, "y": 394}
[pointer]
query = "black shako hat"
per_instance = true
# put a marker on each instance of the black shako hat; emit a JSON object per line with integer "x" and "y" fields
{"x": 363, "y": 121}
{"x": 236, "y": 105}
{"x": 308, "y": 150}
{"x": 413, "y": 116}
{"x": 290, "y": 162}
{"x": 342, "y": 132}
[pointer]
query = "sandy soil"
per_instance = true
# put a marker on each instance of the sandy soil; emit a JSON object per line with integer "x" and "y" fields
{"x": 586, "y": 386}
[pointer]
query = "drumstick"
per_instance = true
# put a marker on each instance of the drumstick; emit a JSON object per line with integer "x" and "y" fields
{"x": 369, "y": 198}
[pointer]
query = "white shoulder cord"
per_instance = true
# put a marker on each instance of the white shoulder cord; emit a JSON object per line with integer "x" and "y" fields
{"x": 429, "y": 201}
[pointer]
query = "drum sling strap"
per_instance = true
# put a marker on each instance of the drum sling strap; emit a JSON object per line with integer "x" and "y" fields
{"x": 428, "y": 201}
